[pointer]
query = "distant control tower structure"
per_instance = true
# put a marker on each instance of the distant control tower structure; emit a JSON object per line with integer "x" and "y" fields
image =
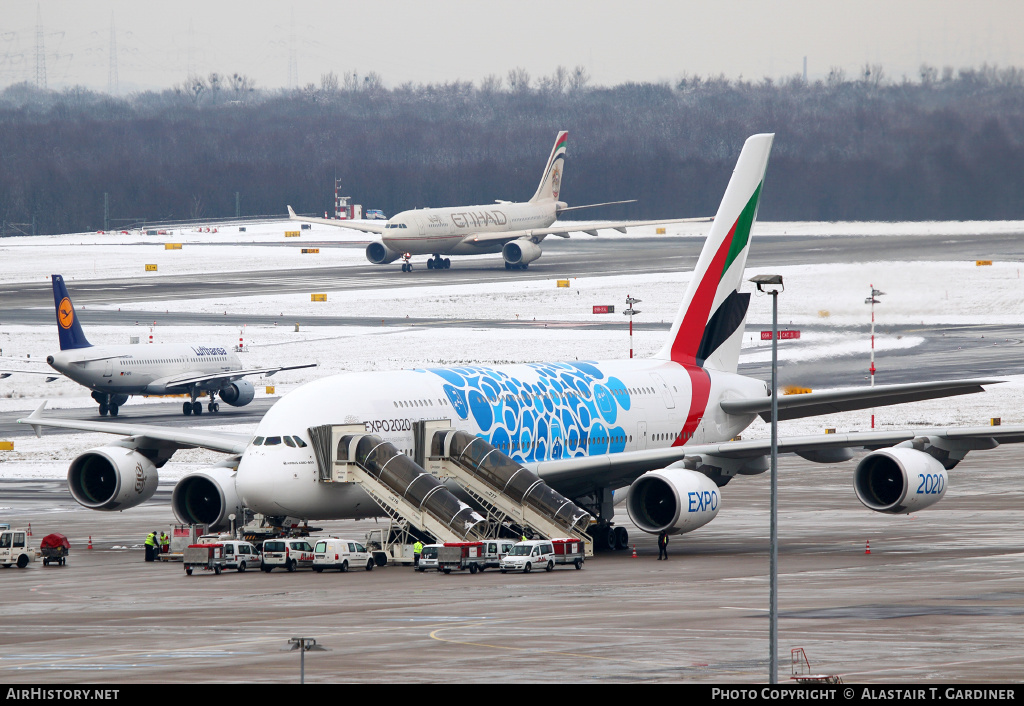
{"x": 342, "y": 210}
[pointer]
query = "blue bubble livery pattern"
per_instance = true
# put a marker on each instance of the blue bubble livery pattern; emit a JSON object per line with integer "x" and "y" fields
{"x": 568, "y": 410}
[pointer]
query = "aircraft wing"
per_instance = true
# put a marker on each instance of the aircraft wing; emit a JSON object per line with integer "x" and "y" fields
{"x": 563, "y": 231}
{"x": 225, "y": 375}
{"x": 50, "y": 375}
{"x": 225, "y": 442}
{"x": 579, "y": 476}
{"x": 813, "y": 404}
{"x": 365, "y": 227}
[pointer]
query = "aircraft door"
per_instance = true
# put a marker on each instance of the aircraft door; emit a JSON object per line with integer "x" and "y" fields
{"x": 665, "y": 390}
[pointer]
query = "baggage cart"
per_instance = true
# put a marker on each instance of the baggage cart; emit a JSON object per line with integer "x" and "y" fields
{"x": 456, "y": 556}
{"x": 569, "y": 550}
{"x": 54, "y": 548}
{"x": 208, "y": 557}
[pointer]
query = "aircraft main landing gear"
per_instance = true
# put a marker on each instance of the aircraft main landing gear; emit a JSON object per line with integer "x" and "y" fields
{"x": 108, "y": 403}
{"x": 196, "y": 407}
{"x": 439, "y": 263}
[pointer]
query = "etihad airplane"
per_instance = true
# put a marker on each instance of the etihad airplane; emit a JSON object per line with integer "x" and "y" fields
{"x": 114, "y": 373}
{"x": 661, "y": 427}
{"x": 513, "y": 229}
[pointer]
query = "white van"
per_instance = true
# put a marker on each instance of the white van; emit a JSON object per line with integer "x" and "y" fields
{"x": 289, "y": 554}
{"x": 340, "y": 554}
{"x": 495, "y": 550}
{"x": 529, "y": 555}
{"x": 240, "y": 555}
{"x": 428, "y": 557}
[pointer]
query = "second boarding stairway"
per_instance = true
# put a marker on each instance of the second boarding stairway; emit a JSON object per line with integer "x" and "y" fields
{"x": 511, "y": 494}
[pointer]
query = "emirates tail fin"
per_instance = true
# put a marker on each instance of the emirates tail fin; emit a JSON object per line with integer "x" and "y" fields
{"x": 708, "y": 329}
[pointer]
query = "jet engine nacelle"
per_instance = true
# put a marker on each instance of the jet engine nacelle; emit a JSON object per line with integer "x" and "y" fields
{"x": 207, "y": 497}
{"x": 521, "y": 252}
{"x": 239, "y": 393}
{"x": 899, "y": 481}
{"x": 381, "y": 254}
{"x": 675, "y": 500}
{"x": 111, "y": 478}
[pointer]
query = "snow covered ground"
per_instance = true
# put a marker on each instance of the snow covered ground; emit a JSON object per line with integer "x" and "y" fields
{"x": 828, "y": 294}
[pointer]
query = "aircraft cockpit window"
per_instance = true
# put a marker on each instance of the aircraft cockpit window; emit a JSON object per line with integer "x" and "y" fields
{"x": 288, "y": 441}
{"x": 299, "y": 442}
{"x": 258, "y": 441}
{"x": 272, "y": 441}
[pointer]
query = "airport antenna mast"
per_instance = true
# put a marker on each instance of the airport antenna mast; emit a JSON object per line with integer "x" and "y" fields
{"x": 112, "y": 81}
{"x": 40, "y": 51}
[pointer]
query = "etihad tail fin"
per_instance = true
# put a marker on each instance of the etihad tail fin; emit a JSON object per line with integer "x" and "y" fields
{"x": 551, "y": 182}
{"x": 68, "y": 328}
{"x": 708, "y": 329}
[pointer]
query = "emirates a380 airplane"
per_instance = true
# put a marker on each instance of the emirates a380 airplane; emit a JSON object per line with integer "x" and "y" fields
{"x": 513, "y": 229}
{"x": 661, "y": 427}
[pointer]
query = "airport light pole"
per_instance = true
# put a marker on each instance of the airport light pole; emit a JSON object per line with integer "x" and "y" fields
{"x": 631, "y": 312}
{"x": 872, "y": 300}
{"x": 772, "y": 284}
{"x": 303, "y": 645}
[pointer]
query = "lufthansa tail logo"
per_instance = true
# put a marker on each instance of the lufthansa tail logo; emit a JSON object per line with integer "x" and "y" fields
{"x": 65, "y": 314}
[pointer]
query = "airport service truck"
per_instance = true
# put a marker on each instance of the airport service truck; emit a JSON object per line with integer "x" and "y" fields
{"x": 15, "y": 549}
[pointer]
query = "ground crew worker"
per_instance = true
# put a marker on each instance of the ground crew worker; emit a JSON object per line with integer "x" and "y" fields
{"x": 663, "y": 546}
{"x": 417, "y": 549}
{"x": 151, "y": 546}
{"x": 165, "y": 543}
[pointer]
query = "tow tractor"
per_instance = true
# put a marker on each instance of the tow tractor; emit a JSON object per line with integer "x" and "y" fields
{"x": 14, "y": 548}
{"x": 456, "y": 556}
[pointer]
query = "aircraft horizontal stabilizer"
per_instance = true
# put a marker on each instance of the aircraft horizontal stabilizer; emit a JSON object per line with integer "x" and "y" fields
{"x": 847, "y": 399}
{"x": 594, "y": 205}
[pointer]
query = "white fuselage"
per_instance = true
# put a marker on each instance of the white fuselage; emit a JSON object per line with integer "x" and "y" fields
{"x": 431, "y": 231}
{"x": 140, "y": 369}
{"x": 533, "y": 412}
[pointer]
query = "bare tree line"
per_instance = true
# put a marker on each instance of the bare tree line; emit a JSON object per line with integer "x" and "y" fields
{"x": 944, "y": 144}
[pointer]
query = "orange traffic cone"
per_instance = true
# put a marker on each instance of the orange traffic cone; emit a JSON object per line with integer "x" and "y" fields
{"x": 90, "y": 542}
{"x": 867, "y": 547}
{"x": 29, "y": 529}
{"x": 634, "y": 551}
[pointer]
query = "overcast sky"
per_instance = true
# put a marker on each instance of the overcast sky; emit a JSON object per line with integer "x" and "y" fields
{"x": 159, "y": 44}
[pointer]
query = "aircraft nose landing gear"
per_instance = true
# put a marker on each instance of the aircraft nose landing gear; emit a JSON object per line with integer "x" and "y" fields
{"x": 407, "y": 265}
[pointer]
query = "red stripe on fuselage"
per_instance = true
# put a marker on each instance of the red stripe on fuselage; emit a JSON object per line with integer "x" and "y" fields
{"x": 700, "y": 391}
{"x": 691, "y": 331}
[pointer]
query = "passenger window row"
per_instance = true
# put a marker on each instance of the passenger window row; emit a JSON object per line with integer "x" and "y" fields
{"x": 419, "y": 403}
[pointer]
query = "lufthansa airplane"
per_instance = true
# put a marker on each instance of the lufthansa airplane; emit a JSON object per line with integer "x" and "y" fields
{"x": 114, "y": 373}
{"x": 661, "y": 427}
{"x": 513, "y": 229}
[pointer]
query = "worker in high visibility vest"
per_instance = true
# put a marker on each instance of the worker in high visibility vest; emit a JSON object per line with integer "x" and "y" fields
{"x": 165, "y": 543}
{"x": 151, "y": 549}
{"x": 417, "y": 549}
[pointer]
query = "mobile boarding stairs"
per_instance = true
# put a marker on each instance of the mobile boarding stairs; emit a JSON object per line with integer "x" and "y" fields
{"x": 416, "y": 493}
